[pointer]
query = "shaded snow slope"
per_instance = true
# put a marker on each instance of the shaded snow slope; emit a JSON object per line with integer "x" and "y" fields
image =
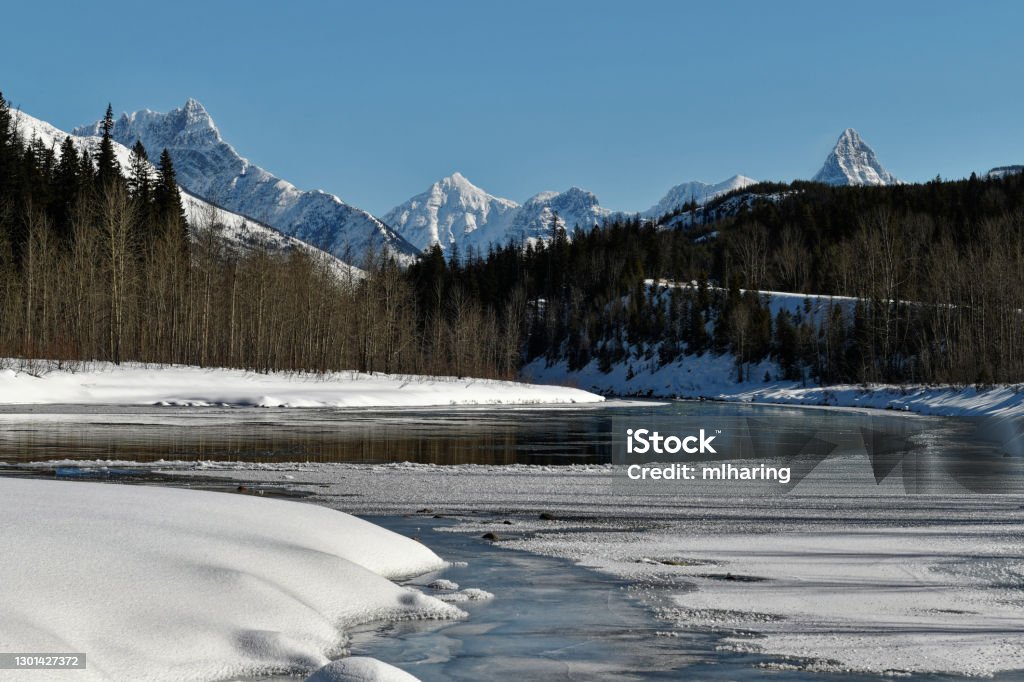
{"x": 210, "y": 168}
{"x": 853, "y": 162}
{"x": 164, "y": 584}
{"x": 135, "y": 384}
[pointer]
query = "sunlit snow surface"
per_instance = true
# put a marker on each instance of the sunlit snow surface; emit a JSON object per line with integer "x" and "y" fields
{"x": 135, "y": 384}
{"x": 839, "y": 574}
{"x": 165, "y": 584}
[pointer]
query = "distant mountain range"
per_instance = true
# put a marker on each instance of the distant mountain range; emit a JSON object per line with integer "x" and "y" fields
{"x": 452, "y": 212}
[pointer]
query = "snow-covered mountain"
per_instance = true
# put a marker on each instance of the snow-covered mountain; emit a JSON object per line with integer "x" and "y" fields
{"x": 575, "y": 207}
{"x": 450, "y": 212}
{"x": 853, "y": 162}
{"x": 1003, "y": 171}
{"x": 454, "y": 211}
{"x": 701, "y": 192}
{"x": 236, "y": 230}
{"x": 210, "y": 168}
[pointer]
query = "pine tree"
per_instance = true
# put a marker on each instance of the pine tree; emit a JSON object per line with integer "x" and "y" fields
{"x": 66, "y": 187}
{"x": 170, "y": 212}
{"x": 139, "y": 180}
{"x": 108, "y": 171}
{"x": 7, "y": 146}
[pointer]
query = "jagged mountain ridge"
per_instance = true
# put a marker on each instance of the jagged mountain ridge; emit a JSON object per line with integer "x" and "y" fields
{"x": 238, "y": 231}
{"x": 455, "y": 212}
{"x": 210, "y": 168}
{"x": 853, "y": 162}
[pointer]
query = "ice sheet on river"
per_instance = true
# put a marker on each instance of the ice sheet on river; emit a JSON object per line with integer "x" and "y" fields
{"x": 854, "y": 575}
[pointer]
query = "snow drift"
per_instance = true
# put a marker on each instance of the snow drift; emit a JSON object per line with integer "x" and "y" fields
{"x": 167, "y": 584}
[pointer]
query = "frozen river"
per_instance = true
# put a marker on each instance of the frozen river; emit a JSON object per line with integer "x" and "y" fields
{"x": 896, "y": 549}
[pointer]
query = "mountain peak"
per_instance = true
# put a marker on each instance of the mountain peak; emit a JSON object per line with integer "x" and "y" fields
{"x": 853, "y": 162}
{"x": 192, "y": 105}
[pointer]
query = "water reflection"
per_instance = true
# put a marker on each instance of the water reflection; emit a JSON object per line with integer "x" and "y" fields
{"x": 922, "y": 454}
{"x": 438, "y": 436}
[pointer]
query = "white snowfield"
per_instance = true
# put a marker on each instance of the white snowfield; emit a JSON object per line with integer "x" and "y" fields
{"x": 137, "y": 384}
{"x": 168, "y": 584}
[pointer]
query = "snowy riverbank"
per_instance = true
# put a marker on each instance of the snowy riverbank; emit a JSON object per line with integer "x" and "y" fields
{"x": 167, "y": 584}
{"x": 137, "y": 384}
{"x": 712, "y": 377}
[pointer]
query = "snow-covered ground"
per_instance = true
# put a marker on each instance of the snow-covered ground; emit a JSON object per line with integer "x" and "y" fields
{"x": 713, "y": 377}
{"x": 167, "y": 584}
{"x": 849, "y": 575}
{"x": 136, "y": 384}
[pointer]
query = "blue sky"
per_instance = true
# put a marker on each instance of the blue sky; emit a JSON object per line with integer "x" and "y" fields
{"x": 374, "y": 101}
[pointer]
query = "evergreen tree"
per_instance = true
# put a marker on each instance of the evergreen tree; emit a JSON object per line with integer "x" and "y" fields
{"x": 170, "y": 212}
{"x": 139, "y": 180}
{"x": 66, "y": 187}
{"x": 107, "y": 169}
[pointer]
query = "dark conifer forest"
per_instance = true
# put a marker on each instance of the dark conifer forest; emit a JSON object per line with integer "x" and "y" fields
{"x": 98, "y": 262}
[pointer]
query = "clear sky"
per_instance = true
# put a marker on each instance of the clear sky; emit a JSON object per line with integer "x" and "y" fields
{"x": 376, "y": 100}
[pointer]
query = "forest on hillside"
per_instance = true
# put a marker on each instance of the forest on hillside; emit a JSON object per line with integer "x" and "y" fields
{"x": 98, "y": 262}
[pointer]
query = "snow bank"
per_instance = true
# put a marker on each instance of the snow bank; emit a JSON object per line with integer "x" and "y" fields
{"x": 136, "y": 384}
{"x": 167, "y": 584}
{"x": 713, "y": 377}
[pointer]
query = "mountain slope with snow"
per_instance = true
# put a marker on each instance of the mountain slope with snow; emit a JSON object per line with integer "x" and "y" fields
{"x": 701, "y": 192}
{"x": 238, "y": 232}
{"x": 449, "y": 212}
{"x": 853, "y": 162}
{"x": 455, "y": 212}
{"x": 210, "y": 168}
